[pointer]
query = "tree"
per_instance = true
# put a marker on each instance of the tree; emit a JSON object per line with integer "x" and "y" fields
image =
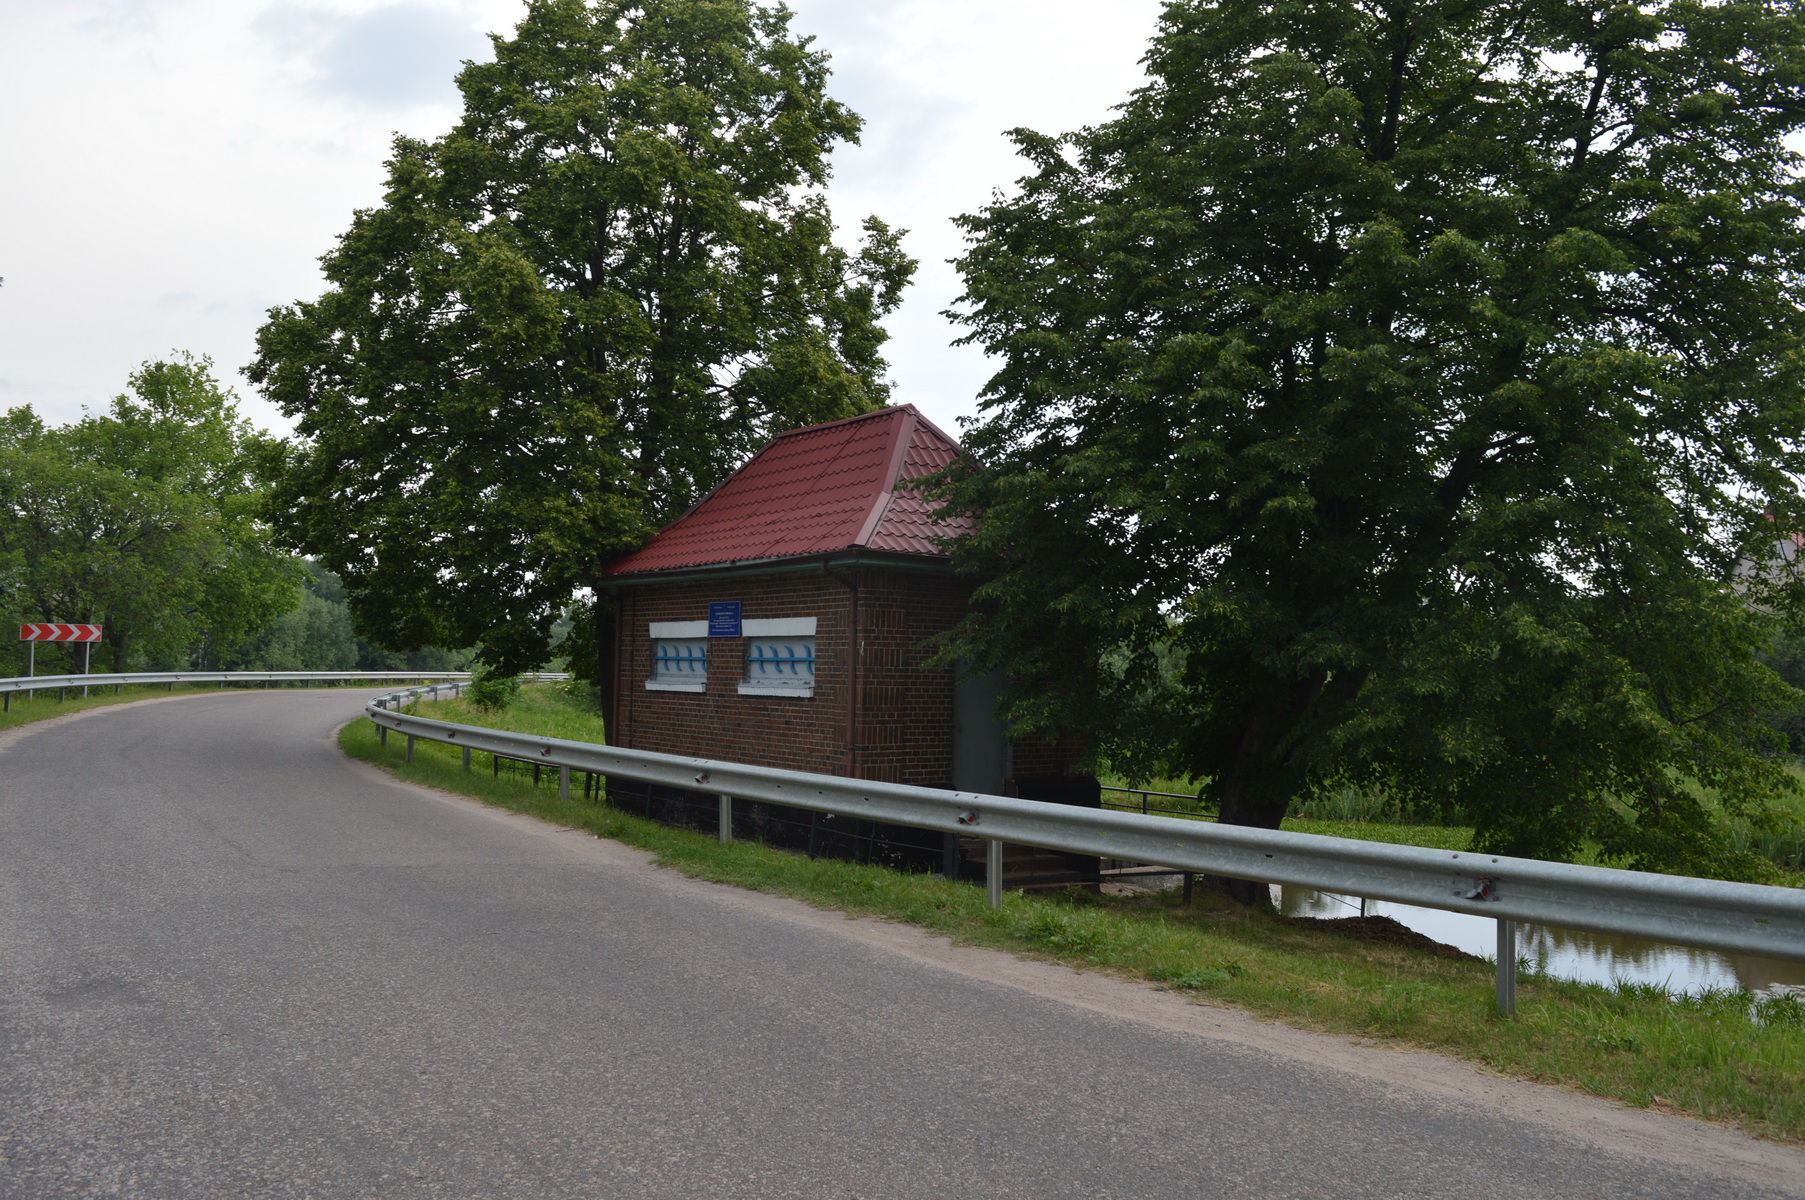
{"x": 315, "y": 635}
{"x": 572, "y": 315}
{"x": 143, "y": 519}
{"x": 1415, "y": 374}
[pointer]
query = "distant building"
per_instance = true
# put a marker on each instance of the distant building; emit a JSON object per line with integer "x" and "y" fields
{"x": 1782, "y": 561}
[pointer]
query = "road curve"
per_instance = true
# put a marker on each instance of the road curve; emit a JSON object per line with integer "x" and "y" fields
{"x": 235, "y": 964}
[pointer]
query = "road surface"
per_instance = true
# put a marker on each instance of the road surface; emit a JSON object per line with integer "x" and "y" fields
{"x": 235, "y": 964}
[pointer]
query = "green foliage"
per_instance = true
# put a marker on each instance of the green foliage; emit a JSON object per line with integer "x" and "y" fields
{"x": 492, "y": 690}
{"x": 1786, "y": 658}
{"x": 1417, "y": 376}
{"x": 547, "y": 709}
{"x": 572, "y": 315}
{"x": 1775, "y": 833}
{"x": 143, "y": 519}
{"x": 319, "y": 635}
{"x": 313, "y": 636}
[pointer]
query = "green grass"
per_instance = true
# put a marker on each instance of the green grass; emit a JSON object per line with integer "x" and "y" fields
{"x": 1437, "y": 837}
{"x": 550, "y": 709}
{"x": 1703, "y": 1056}
{"x": 1776, "y": 835}
{"x": 1337, "y": 818}
{"x": 1779, "y": 834}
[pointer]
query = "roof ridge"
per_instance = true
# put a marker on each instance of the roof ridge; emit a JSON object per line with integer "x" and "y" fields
{"x": 922, "y": 420}
{"x": 888, "y": 410}
{"x": 802, "y": 496}
{"x": 775, "y": 438}
{"x": 886, "y": 484}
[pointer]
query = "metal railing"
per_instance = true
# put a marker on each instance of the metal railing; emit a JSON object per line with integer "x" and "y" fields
{"x": 1743, "y": 918}
{"x": 61, "y": 684}
{"x": 1196, "y": 811}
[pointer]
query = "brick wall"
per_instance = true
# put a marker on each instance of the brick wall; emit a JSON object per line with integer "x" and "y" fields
{"x": 904, "y": 728}
{"x": 1040, "y": 758}
{"x": 905, "y": 710}
{"x": 801, "y": 733}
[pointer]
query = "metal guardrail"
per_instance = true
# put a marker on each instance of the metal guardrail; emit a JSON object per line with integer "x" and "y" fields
{"x": 1744, "y": 918}
{"x": 62, "y": 683}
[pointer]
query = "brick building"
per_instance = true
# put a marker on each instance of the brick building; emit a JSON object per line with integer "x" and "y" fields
{"x": 785, "y": 621}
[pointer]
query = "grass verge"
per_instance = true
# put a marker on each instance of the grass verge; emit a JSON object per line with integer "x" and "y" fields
{"x": 1703, "y": 1056}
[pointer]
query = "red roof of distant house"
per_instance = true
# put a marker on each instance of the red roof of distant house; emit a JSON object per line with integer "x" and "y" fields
{"x": 820, "y": 490}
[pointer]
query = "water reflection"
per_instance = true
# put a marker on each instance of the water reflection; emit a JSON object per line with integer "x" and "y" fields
{"x": 1563, "y": 953}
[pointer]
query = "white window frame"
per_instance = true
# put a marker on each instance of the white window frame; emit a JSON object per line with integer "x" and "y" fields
{"x": 689, "y": 634}
{"x": 791, "y": 630}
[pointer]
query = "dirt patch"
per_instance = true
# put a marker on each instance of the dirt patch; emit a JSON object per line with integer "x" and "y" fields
{"x": 1381, "y": 929}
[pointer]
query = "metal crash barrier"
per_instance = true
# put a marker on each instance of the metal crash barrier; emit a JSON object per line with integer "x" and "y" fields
{"x": 1742, "y": 918}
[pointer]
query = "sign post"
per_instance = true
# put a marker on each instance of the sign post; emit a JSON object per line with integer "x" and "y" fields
{"x": 31, "y": 635}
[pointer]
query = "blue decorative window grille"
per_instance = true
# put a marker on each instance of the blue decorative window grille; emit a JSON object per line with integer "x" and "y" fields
{"x": 781, "y": 662}
{"x": 682, "y": 660}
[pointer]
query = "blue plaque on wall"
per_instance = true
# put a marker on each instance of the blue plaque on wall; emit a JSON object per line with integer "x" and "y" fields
{"x": 724, "y": 618}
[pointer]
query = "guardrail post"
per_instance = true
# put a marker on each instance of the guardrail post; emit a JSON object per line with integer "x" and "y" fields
{"x": 1507, "y": 966}
{"x": 725, "y": 832}
{"x": 564, "y": 784}
{"x": 410, "y": 747}
{"x": 993, "y": 872}
{"x": 466, "y": 758}
{"x": 9, "y": 702}
{"x": 382, "y": 734}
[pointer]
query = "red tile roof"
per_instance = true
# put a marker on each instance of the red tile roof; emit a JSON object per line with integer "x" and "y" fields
{"x": 820, "y": 490}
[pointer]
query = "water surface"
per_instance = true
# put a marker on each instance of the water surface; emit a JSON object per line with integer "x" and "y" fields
{"x": 1563, "y": 953}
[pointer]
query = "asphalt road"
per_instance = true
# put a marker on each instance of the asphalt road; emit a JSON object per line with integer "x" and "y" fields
{"x": 234, "y": 964}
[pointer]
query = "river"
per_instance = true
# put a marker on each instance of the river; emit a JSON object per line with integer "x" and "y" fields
{"x": 1565, "y": 953}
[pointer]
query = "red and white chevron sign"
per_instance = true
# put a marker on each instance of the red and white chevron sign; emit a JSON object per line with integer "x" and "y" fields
{"x": 59, "y": 633}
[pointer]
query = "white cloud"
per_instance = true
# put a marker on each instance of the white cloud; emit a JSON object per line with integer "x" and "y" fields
{"x": 939, "y": 83}
{"x": 176, "y": 167}
{"x": 398, "y": 55}
{"x": 116, "y": 18}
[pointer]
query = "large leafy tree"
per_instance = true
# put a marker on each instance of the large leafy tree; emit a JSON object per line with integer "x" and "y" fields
{"x": 572, "y": 315}
{"x": 143, "y": 518}
{"x": 1390, "y": 391}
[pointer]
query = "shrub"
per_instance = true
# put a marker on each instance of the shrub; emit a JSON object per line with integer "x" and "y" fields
{"x": 492, "y": 691}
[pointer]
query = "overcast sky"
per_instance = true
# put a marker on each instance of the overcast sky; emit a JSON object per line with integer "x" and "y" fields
{"x": 173, "y": 168}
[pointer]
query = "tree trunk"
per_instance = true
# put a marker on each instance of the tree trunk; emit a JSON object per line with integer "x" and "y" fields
{"x": 1257, "y": 790}
{"x": 1241, "y": 803}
